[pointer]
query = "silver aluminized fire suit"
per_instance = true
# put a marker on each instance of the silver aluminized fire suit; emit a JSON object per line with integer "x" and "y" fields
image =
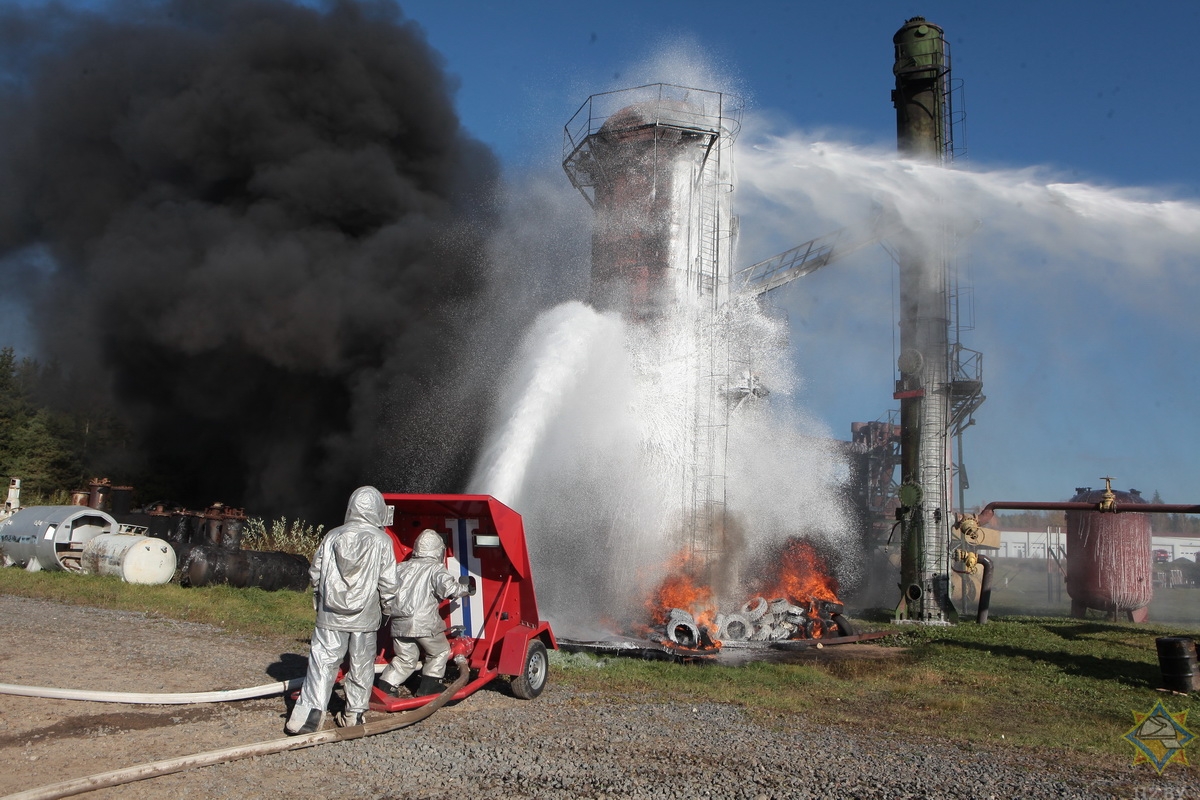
{"x": 353, "y": 570}
{"x": 417, "y": 628}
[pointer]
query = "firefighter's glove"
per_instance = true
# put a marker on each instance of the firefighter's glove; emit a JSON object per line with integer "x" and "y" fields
{"x": 466, "y": 585}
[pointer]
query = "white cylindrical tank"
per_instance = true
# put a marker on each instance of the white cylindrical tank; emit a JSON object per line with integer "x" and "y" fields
{"x": 130, "y": 557}
{"x": 51, "y": 537}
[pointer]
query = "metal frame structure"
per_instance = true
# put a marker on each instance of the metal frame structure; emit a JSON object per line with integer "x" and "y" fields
{"x": 654, "y": 162}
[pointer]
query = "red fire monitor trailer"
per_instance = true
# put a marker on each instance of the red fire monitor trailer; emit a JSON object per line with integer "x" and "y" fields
{"x": 498, "y": 628}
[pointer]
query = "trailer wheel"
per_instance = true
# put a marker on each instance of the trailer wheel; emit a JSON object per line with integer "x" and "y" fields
{"x": 532, "y": 680}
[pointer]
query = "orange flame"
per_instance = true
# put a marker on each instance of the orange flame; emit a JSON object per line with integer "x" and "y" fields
{"x": 679, "y": 589}
{"x": 803, "y": 576}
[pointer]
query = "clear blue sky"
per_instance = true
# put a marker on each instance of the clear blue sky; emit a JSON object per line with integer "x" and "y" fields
{"x": 1079, "y": 384}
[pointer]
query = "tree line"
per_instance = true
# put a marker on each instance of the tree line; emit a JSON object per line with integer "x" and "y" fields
{"x": 51, "y": 438}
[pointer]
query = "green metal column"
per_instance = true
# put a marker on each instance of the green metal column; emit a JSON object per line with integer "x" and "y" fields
{"x": 922, "y": 74}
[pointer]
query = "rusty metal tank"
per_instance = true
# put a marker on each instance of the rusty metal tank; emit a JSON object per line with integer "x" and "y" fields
{"x": 636, "y": 151}
{"x": 1108, "y": 558}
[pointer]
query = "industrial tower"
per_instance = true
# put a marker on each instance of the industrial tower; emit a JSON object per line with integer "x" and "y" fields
{"x": 654, "y": 162}
{"x": 940, "y": 383}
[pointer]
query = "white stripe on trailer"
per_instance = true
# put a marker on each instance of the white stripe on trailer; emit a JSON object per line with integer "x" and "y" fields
{"x": 469, "y": 610}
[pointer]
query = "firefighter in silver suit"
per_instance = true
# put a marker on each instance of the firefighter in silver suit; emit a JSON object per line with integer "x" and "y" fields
{"x": 418, "y": 631}
{"x": 353, "y": 571}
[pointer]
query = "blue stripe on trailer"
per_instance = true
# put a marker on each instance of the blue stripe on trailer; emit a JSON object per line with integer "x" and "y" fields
{"x": 462, "y": 554}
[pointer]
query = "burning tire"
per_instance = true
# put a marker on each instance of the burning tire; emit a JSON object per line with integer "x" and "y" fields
{"x": 532, "y": 680}
{"x": 844, "y": 626}
{"x": 755, "y": 609}
{"x": 735, "y": 628}
{"x": 683, "y": 632}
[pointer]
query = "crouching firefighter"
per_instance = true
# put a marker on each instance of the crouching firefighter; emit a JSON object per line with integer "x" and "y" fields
{"x": 418, "y": 631}
{"x": 353, "y": 571}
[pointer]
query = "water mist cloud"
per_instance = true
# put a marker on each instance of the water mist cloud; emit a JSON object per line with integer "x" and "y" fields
{"x": 1009, "y": 212}
{"x": 1083, "y": 306}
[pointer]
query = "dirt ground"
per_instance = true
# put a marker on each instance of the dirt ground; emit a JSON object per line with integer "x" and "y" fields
{"x": 47, "y": 644}
{"x": 44, "y": 741}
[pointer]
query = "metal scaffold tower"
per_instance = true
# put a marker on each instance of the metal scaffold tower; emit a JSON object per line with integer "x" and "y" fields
{"x": 654, "y": 162}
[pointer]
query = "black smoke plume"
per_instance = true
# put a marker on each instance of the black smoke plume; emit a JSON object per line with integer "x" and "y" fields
{"x": 264, "y": 228}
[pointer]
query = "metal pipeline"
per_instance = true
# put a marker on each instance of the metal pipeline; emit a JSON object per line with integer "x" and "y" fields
{"x": 989, "y": 511}
{"x": 971, "y": 560}
{"x": 985, "y": 589}
{"x": 121, "y": 777}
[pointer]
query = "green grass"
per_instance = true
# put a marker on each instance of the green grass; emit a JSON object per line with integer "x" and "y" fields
{"x": 248, "y": 611}
{"x": 1037, "y": 682}
{"x": 1043, "y": 682}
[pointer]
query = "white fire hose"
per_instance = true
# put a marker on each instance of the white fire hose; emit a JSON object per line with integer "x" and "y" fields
{"x": 120, "y": 777}
{"x": 164, "y": 699}
{"x": 146, "y": 698}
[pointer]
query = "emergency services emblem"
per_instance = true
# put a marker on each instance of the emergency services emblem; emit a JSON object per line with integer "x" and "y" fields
{"x": 1159, "y": 737}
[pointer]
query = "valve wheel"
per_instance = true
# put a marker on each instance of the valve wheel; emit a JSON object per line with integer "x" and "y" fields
{"x": 532, "y": 680}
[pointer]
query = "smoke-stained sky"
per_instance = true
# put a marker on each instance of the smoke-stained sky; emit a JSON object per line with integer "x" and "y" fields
{"x": 256, "y": 228}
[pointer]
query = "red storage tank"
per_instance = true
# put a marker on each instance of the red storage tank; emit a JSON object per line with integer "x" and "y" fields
{"x": 1108, "y": 558}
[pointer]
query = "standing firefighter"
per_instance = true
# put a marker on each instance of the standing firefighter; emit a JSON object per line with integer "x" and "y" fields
{"x": 354, "y": 569}
{"x": 417, "y": 628}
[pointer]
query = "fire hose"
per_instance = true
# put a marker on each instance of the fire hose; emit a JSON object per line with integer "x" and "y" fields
{"x": 152, "y": 699}
{"x": 103, "y": 780}
{"x": 146, "y": 698}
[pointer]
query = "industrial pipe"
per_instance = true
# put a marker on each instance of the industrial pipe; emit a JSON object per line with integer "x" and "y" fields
{"x": 985, "y": 590}
{"x": 121, "y": 777}
{"x": 970, "y": 561}
{"x": 989, "y": 511}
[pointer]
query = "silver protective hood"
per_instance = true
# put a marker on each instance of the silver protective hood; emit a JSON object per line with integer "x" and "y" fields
{"x": 429, "y": 544}
{"x": 366, "y": 505}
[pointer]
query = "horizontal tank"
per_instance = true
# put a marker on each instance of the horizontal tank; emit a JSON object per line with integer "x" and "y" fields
{"x": 132, "y": 558}
{"x": 212, "y": 565}
{"x": 51, "y": 537}
{"x": 1108, "y": 557}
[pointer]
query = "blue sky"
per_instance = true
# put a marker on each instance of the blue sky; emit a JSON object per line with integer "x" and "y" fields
{"x": 1089, "y": 359}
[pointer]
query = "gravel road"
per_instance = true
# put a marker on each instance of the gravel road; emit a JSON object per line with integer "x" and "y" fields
{"x": 565, "y": 744}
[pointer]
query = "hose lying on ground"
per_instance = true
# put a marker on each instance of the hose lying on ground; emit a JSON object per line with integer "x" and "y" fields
{"x": 146, "y": 698}
{"x": 120, "y": 777}
{"x": 164, "y": 699}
